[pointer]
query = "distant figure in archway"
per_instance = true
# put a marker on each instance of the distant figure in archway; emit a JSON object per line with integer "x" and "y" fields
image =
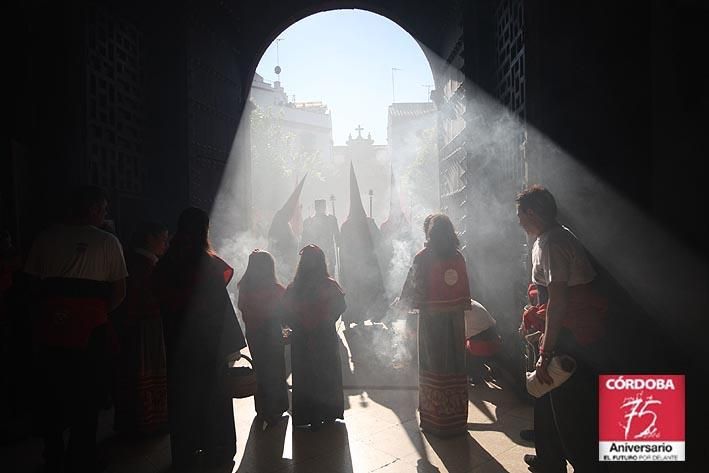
{"x": 397, "y": 246}
{"x": 282, "y": 240}
{"x": 323, "y": 231}
{"x": 360, "y": 273}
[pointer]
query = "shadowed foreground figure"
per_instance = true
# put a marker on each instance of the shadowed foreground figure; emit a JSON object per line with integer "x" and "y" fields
{"x": 437, "y": 285}
{"x": 312, "y": 304}
{"x": 260, "y": 297}
{"x": 81, "y": 278}
{"x": 201, "y": 333}
{"x": 140, "y": 396}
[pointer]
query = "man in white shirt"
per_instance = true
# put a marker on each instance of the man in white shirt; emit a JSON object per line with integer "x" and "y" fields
{"x": 80, "y": 274}
{"x": 565, "y": 419}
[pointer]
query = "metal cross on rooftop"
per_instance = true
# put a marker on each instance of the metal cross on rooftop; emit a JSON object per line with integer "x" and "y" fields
{"x": 359, "y": 130}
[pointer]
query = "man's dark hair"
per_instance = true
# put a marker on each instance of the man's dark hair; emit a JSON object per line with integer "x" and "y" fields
{"x": 83, "y": 198}
{"x": 539, "y": 199}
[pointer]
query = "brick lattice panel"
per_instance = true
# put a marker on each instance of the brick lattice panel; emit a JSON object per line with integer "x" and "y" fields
{"x": 511, "y": 80}
{"x": 213, "y": 97}
{"x": 114, "y": 104}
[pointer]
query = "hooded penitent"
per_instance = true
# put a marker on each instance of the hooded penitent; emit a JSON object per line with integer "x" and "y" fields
{"x": 397, "y": 247}
{"x": 360, "y": 273}
{"x": 282, "y": 241}
{"x": 397, "y": 223}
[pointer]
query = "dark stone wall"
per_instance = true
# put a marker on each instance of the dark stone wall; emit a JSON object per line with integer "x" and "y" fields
{"x": 618, "y": 87}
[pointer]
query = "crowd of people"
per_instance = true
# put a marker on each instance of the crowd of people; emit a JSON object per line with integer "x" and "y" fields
{"x": 153, "y": 331}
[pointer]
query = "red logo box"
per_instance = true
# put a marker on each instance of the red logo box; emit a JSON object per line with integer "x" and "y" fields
{"x": 641, "y": 417}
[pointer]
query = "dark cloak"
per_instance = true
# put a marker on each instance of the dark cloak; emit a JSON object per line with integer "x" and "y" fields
{"x": 201, "y": 329}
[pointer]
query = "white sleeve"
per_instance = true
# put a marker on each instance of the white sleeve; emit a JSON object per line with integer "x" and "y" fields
{"x": 115, "y": 262}
{"x": 557, "y": 262}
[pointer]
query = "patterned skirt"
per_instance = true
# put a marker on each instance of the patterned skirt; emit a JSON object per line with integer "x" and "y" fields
{"x": 443, "y": 381}
{"x": 141, "y": 387}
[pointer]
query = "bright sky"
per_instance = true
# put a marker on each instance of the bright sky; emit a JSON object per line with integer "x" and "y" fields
{"x": 345, "y": 58}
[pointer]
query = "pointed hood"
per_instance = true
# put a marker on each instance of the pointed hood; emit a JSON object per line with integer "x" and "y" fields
{"x": 291, "y": 206}
{"x": 397, "y": 222}
{"x": 280, "y": 228}
{"x": 356, "y": 207}
{"x": 395, "y": 211}
{"x": 282, "y": 241}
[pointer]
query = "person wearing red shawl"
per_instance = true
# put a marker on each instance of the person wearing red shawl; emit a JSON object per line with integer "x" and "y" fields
{"x": 140, "y": 398}
{"x": 437, "y": 285}
{"x": 260, "y": 297}
{"x": 201, "y": 334}
{"x": 312, "y": 304}
{"x": 570, "y": 312}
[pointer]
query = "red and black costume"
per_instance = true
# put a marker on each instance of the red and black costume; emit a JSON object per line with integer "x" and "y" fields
{"x": 439, "y": 288}
{"x": 141, "y": 379}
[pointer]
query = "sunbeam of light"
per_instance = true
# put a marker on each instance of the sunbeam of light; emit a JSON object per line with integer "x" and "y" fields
{"x": 645, "y": 259}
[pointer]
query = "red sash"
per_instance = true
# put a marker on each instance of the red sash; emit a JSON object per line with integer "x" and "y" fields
{"x": 68, "y": 322}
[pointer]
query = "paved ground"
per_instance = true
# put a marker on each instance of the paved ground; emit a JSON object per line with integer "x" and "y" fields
{"x": 379, "y": 434}
{"x": 380, "y": 431}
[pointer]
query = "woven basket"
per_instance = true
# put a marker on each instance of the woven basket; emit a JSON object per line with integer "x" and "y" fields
{"x": 241, "y": 380}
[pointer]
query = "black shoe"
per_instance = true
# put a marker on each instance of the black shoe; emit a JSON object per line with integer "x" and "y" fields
{"x": 527, "y": 435}
{"x": 536, "y": 466}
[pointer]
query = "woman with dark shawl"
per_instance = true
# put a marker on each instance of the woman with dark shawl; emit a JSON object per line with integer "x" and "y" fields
{"x": 260, "y": 297}
{"x": 312, "y": 304}
{"x": 141, "y": 382}
{"x": 437, "y": 285}
{"x": 201, "y": 333}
